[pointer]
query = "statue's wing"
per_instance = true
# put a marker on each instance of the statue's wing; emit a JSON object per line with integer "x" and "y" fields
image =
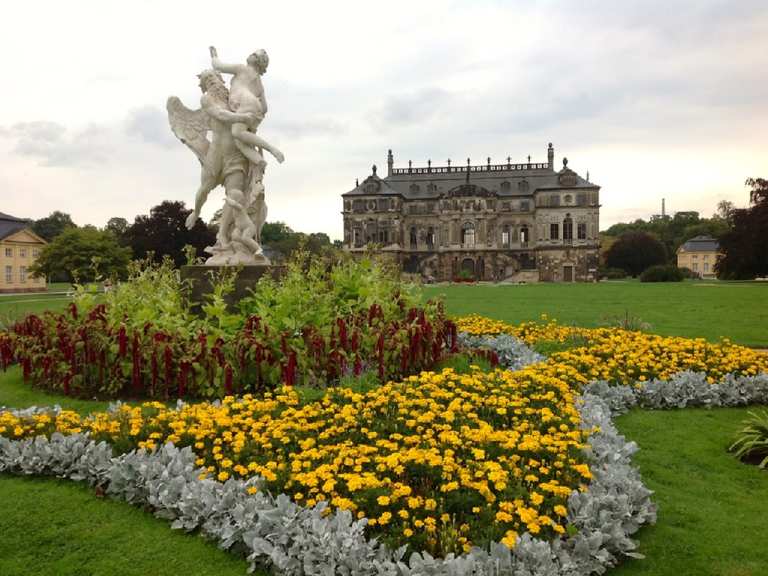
{"x": 189, "y": 126}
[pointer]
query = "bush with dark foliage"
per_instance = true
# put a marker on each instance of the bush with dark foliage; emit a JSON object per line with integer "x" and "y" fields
{"x": 662, "y": 273}
{"x": 633, "y": 252}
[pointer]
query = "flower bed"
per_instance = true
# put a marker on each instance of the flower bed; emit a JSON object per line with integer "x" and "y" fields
{"x": 441, "y": 463}
{"x": 621, "y": 356}
{"x": 86, "y": 355}
{"x": 317, "y": 325}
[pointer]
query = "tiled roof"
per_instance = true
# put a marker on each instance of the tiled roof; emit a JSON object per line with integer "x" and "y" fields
{"x": 701, "y": 244}
{"x": 4, "y": 216}
{"x": 10, "y": 224}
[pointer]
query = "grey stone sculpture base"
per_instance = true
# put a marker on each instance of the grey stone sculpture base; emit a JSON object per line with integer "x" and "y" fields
{"x": 199, "y": 278}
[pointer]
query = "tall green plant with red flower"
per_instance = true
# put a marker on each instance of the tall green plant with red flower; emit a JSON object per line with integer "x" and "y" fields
{"x": 128, "y": 345}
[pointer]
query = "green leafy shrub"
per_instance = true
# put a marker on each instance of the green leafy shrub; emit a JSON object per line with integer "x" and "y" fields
{"x": 751, "y": 443}
{"x": 612, "y": 273}
{"x": 323, "y": 321}
{"x": 662, "y": 273}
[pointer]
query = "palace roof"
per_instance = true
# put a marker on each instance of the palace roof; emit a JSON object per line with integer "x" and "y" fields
{"x": 432, "y": 182}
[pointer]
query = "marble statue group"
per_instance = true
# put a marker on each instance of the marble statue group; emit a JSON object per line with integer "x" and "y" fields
{"x": 234, "y": 155}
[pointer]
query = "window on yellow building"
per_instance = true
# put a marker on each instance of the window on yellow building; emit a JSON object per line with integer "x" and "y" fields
{"x": 22, "y": 252}
{"x": 695, "y": 267}
{"x": 35, "y": 252}
{"x": 9, "y": 252}
{"x": 8, "y": 274}
{"x": 706, "y": 267}
{"x": 22, "y": 274}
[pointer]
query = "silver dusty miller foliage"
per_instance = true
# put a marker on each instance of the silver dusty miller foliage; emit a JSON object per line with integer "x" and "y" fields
{"x": 275, "y": 532}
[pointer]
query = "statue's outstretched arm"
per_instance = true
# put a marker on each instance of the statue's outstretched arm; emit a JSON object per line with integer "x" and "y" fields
{"x": 222, "y": 66}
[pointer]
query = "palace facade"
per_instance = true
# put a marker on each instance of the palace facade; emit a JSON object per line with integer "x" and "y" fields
{"x": 501, "y": 222}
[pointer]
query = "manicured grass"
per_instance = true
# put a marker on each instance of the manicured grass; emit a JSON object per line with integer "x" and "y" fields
{"x": 15, "y": 306}
{"x": 15, "y": 393}
{"x": 712, "y": 508}
{"x": 58, "y": 528}
{"x": 736, "y": 310}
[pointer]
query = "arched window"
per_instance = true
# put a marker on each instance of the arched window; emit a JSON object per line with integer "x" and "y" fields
{"x": 430, "y": 238}
{"x": 414, "y": 238}
{"x": 468, "y": 234}
{"x": 505, "y": 236}
{"x": 568, "y": 229}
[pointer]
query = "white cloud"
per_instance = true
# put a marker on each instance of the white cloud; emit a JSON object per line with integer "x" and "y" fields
{"x": 656, "y": 99}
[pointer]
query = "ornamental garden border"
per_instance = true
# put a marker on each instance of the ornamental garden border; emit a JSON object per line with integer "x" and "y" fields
{"x": 293, "y": 539}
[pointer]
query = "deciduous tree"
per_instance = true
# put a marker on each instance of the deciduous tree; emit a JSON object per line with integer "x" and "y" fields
{"x": 745, "y": 246}
{"x": 163, "y": 232}
{"x": 53, "y": 225}
{"x": 633, "y": 252}
{"x": 82, "y": 254}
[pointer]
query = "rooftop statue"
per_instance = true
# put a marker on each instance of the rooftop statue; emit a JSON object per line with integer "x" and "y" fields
{"x": 233, "y": 157}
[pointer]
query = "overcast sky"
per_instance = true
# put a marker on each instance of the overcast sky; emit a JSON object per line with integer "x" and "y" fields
{"x": 655, "y": 98}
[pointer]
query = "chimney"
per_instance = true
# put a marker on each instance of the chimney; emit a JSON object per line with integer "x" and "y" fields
{"x": 390, "y": 162}
{"x": 551, "y": 156}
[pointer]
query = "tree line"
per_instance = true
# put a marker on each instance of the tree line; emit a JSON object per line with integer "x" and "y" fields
{"x": 742, "y": 234}
{"x": 84, "y": 253}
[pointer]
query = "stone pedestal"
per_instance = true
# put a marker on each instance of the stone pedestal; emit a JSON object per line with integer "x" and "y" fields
{"x": 199, "y": 278}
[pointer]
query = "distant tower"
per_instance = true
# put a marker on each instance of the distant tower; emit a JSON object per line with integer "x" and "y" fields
{"x": 551, "y": 156}
{"x": 663, "y": 209}
{"x": 390, "y": 163}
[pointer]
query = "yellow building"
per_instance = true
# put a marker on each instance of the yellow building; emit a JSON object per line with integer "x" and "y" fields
{"x": 699, "y": 254}
{"x": 19, "y": 248}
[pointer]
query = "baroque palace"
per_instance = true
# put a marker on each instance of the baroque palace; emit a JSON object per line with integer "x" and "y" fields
{"x": 501, "y": 222}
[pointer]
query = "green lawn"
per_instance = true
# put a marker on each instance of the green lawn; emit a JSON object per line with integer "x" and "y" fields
{"x": 736, "y": 310}
{"x": 58, "y": 527}
{"x": 712, "y": 508}
{"x": 15, "y": 393}
{"x": 15, "y": 306}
